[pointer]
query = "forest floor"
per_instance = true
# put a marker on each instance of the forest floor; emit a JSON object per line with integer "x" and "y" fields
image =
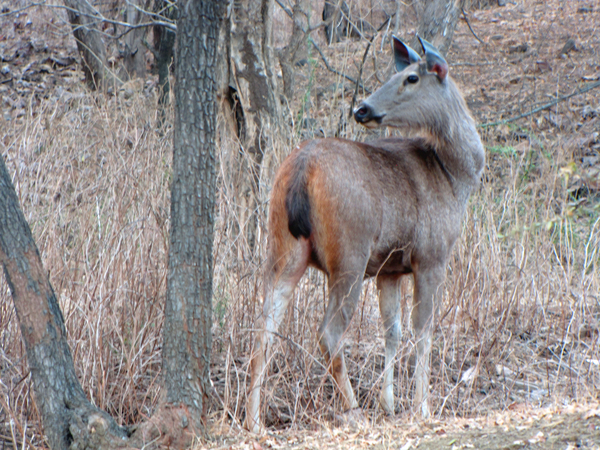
{"x": 522, "y": 427}
{"x": 526, "y": 55}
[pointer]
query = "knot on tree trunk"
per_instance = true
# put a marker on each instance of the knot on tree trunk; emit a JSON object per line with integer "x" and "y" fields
{"x": 94, "y": 429}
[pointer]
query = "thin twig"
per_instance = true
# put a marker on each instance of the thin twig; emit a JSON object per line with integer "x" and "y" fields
{"x": 314, "y": 44}
{"x": 331, "y": 69}
{"x": 299, "y": 347}
{"x": 100, "y": 18}
{"x": 475, "y": 64}
{"x": 543, "y": 107}
{"x": 17, "y": 11}
{"x": 362, "y": 64}
{"x": 469, "y": 24}
{"x": 285, "y": 9}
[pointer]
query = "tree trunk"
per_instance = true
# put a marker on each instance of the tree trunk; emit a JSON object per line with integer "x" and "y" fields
{"x": 288, "y": 56}
{"x": 69, "y": 419}
{"x": 188, "y": 309}
{"x": 164, "y": 41}
{"x": 342, "y": 24}
{"x": 337, "y": 13}
{"x": 397, "y": 17}
{"x": 251, "y": 46}
{"x": 134, "y": 59}
{"x": 436, "y": 22}
{"x": 90, "y": 44}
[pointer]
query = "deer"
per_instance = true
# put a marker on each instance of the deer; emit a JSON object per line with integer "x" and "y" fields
{"x": 384, "y": 208}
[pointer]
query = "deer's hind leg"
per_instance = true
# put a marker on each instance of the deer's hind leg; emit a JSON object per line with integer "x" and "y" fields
{"x": 281, "y": 277}
{"x": 391, "y": 314}
{"x": 344, "y": 293}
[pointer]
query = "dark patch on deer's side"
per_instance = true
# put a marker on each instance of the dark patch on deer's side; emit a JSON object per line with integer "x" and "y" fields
{"x": 297, "y": 203}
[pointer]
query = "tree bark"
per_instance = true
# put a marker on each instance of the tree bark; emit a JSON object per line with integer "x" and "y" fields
{"x": 436, "y": 22}
{"x": 188, "y": 310}
{"x": 164, "y": 41}
{"x": 90, "y": 44}
{"x": 134, "y": 59}
{"x": 251, "y": 70}
{"x": 288, "y": 56}
{"x": 69, "y": 419}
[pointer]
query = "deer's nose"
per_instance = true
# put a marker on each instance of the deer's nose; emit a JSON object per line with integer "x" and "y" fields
{"x": 363, "y": 113}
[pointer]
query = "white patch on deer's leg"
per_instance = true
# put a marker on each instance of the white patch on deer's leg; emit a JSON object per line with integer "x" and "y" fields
{"x": 391, "y": 315}
{"x": 274, "y": 308}
{"x": 277, "y": 299}
{"x": 423, "y": 373}
{"x": 257, "y": 367}
{"x": 426, "y": 296}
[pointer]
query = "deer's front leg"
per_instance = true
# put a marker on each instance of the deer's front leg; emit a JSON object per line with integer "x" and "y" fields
{"x": 426, "y": 295}
{"x": 391, "y": 315}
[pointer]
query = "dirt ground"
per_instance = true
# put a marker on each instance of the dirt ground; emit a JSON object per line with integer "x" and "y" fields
{"x": 521, "y": 427}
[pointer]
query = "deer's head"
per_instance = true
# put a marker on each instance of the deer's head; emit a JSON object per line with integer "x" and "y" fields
{"x": 413, "y": 97}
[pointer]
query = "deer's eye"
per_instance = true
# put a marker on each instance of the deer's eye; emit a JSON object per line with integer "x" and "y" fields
{"x": 412, "y": 79}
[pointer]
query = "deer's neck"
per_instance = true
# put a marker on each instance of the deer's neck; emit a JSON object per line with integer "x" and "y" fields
{"x": 457, "y": 143}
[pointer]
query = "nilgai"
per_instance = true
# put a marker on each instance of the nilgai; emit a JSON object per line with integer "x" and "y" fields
{"x": 383, "y": 209}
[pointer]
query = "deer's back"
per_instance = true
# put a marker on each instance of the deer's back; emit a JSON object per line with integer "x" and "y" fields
{"x": 390, "y": 200}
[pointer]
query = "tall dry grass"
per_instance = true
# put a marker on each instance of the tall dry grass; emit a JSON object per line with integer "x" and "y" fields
{"x": 518, "y": 324}
{"x": 92, "y": 174}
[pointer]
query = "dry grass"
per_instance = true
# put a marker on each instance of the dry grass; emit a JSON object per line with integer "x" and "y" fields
{"x": 520, "y": 317}
{"x": 93, "y": 178}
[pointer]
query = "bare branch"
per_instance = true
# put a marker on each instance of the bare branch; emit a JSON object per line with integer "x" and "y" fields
{"x": 101, "y": 18}
{"x": 314, "y": 44}
{"x": 331, "y": 69}
{"x": 469, "y": 24}
{"x": 17, "y": 11}
{"x": 310, "y": 28}
{"x": 543, "y": 107}
{"x": 285, "y": 9}
{"x": 362, "y": 64}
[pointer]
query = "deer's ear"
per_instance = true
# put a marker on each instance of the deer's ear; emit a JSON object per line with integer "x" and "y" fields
{"x": 435, "y": 62}
{"x": 403, "y": 54}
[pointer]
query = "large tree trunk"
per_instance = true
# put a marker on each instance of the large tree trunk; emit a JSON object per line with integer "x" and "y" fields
{"x": 188, "y": 310}
{"x": 437, "y": 21}
{"x": 69, "y": 419}
{"x": 259, "y": 115}
{"x": 90, "y": 44}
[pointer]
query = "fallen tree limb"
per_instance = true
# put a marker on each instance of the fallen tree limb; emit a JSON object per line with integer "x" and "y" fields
{"x": 543, "y": 107}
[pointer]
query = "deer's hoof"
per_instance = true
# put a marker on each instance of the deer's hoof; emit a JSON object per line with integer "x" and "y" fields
{"x": 354, "y": 418}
